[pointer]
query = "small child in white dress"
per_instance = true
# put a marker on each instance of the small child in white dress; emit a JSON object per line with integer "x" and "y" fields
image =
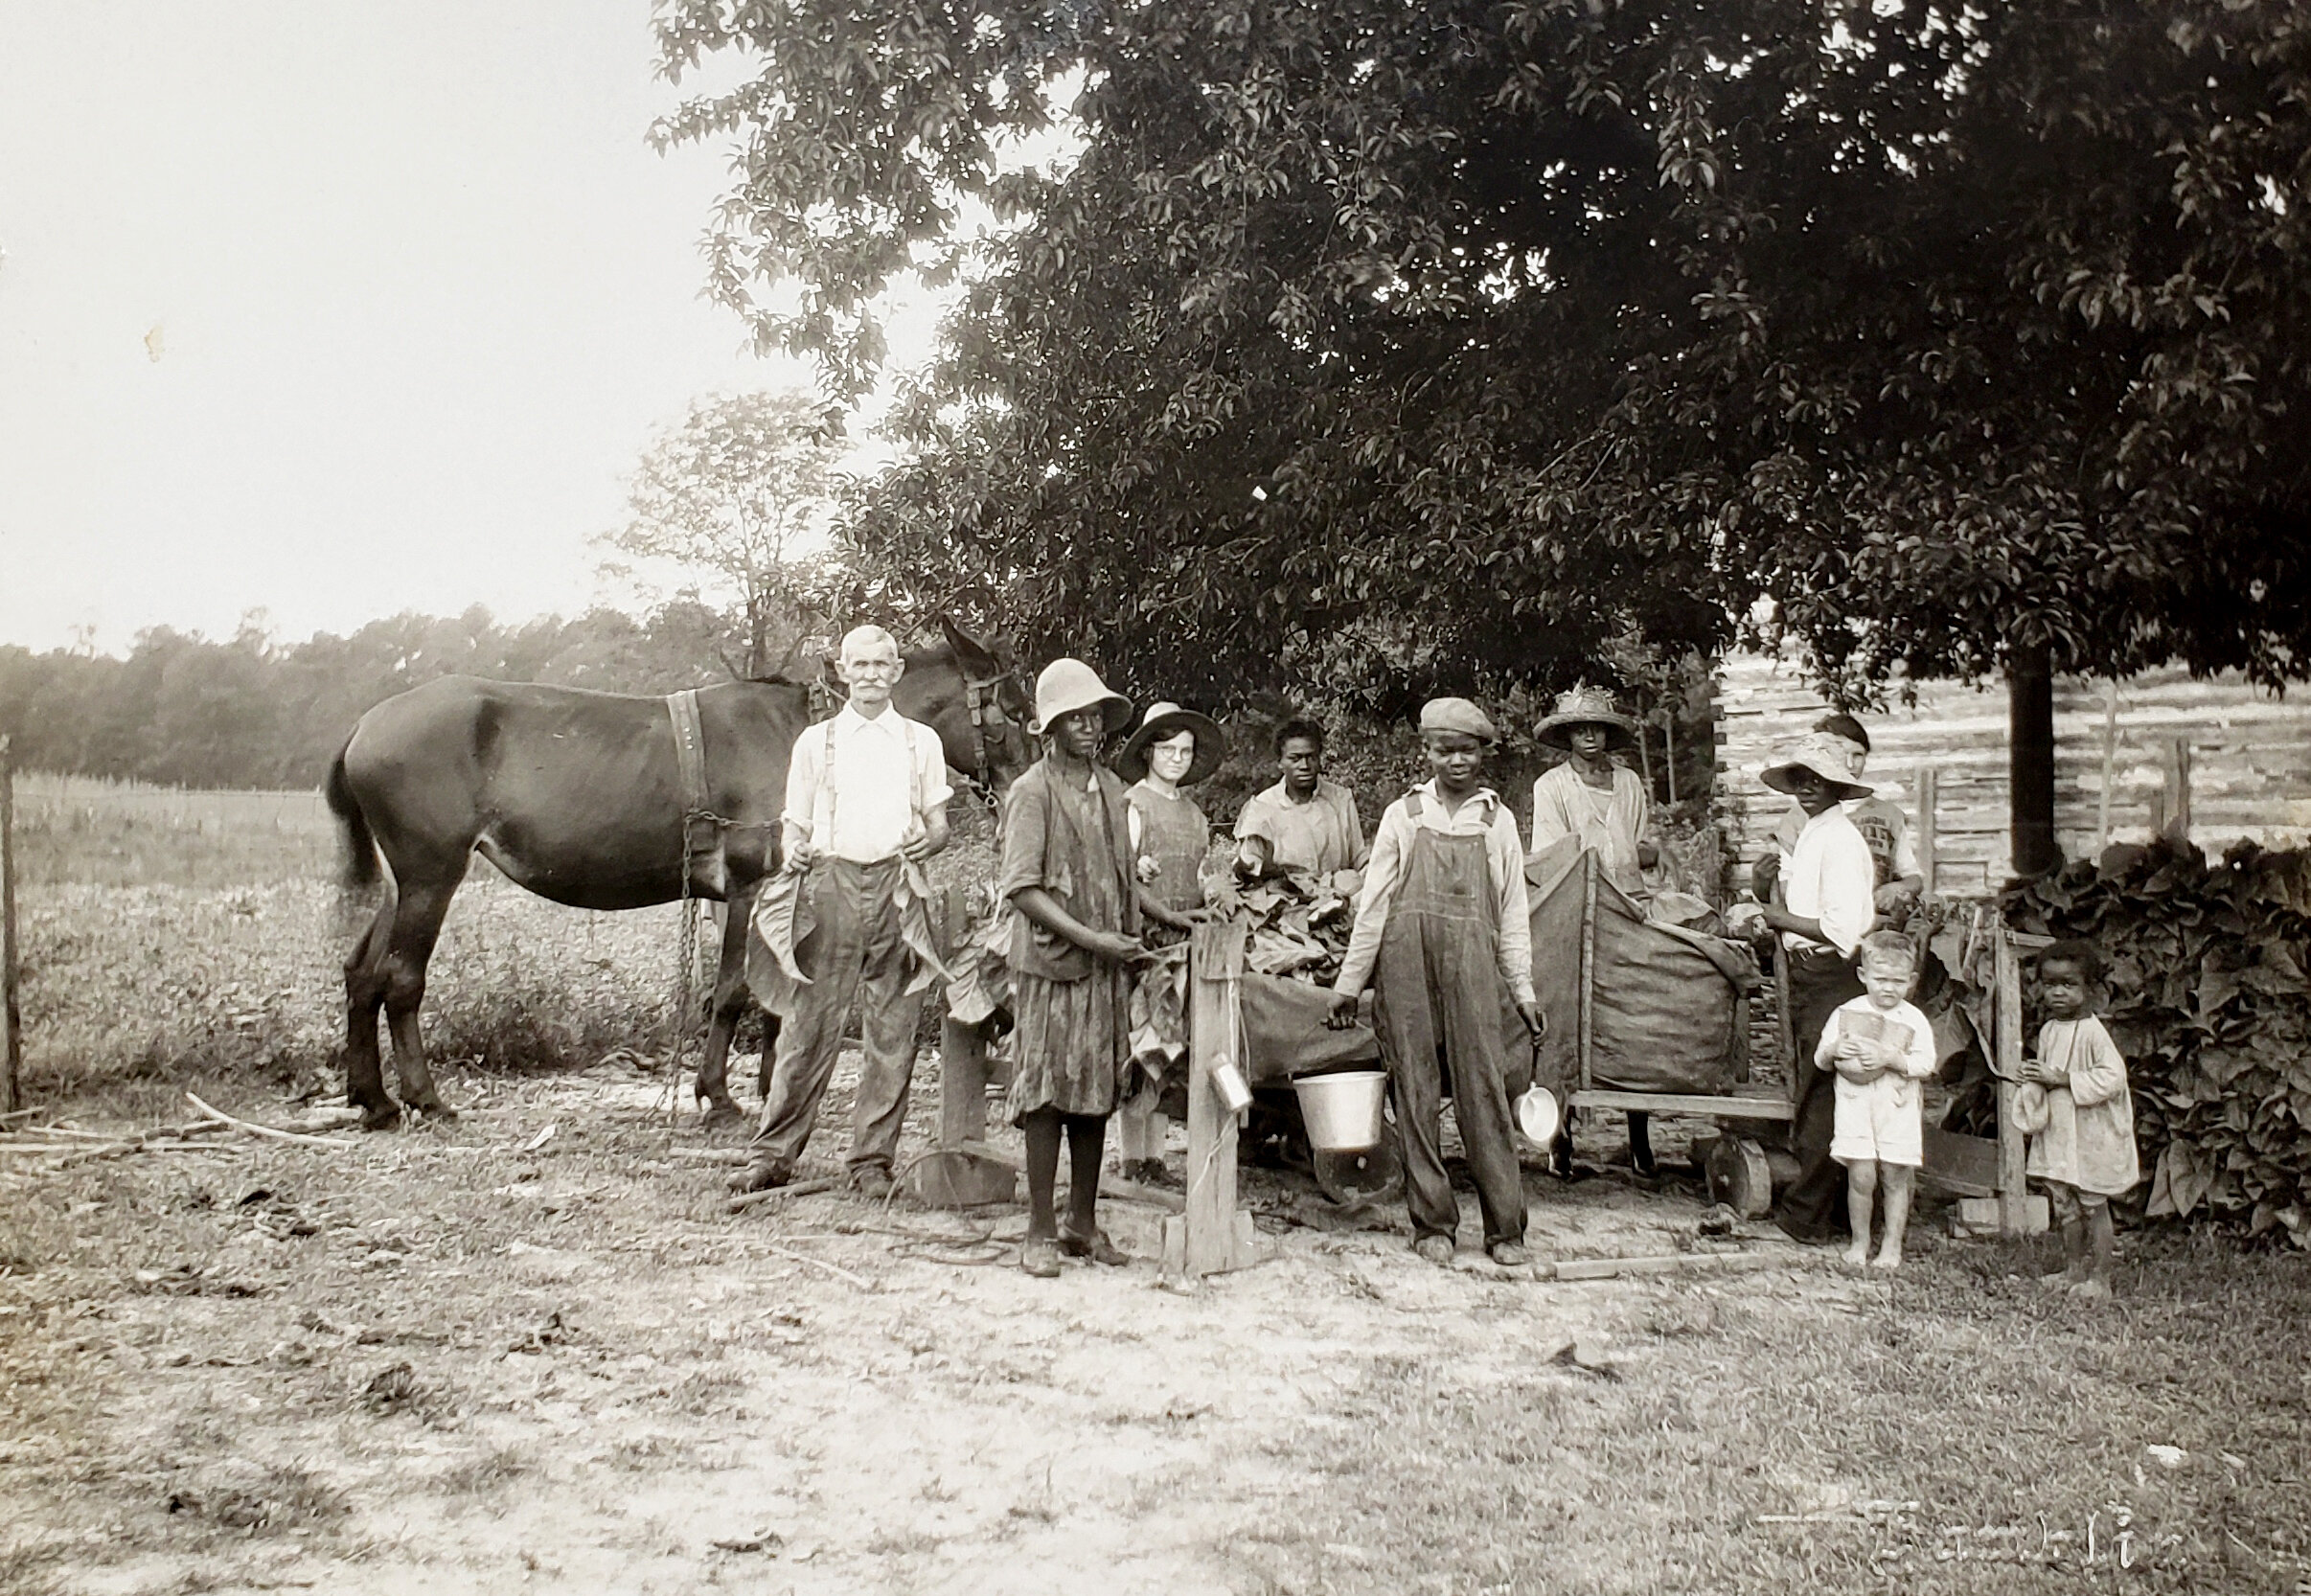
{"x": 2075, "y": 1104}
{"x": 1880, "y": 1047}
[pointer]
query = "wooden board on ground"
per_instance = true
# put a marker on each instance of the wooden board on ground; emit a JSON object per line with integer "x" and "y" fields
{"x": 1701, "y": 1104}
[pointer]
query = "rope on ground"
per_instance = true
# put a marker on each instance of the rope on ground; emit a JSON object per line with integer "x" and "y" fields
{"x": 958, "y": 1251}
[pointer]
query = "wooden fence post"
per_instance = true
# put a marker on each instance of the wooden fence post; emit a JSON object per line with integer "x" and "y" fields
{"x": 1212, "y": 1237}
{"x": 2008, "y": 1043}
{"x": 1930, "y": 793}
{"x": 12, "y": 1018}
{"x": 2110, "y": 755}
{"x": 2182, "y": 775}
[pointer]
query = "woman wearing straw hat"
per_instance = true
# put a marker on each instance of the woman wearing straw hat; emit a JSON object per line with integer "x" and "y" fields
{"x": 1591, "y": 795}
{"x": 1823, "y": 907}
{"x": 1067, "y": 874}
{"x": 1594, "y": 797}
{"x": 1172, "y": 748}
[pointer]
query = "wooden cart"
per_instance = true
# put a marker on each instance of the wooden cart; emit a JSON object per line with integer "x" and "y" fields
{"x": 1743, "y": 1166}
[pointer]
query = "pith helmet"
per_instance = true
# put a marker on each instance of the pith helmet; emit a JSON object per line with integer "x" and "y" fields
{"x": 1067, "y": 685}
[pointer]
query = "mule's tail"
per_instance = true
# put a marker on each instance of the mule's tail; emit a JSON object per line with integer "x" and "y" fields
{"x": 360, "y": 847}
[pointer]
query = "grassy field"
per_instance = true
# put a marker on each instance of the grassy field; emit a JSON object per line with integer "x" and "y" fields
{"x": 174, "y": 938}
{"x": 530, "y": 1352}
{"x": 76, "y": 830}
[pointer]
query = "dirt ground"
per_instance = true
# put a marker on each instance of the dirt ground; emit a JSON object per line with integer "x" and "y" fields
{"x": 532, "y": 1352}
{"x": 456, "y": 1356}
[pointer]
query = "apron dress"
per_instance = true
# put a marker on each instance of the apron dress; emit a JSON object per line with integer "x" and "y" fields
{"x": 1071, "y": 1037}
{"x": 1173, "y": 833}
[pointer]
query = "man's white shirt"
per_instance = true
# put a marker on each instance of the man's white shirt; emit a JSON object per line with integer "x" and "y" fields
{"x": 885, "y": 774}
{"x": 1832, "y": 879}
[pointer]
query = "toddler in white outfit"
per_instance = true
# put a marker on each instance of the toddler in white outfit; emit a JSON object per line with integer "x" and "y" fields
{"x": 1882, "y": 1047}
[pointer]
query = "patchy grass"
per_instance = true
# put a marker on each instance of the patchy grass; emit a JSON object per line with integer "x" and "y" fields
{"x": 125, "y": 988}
{"x": 1961, "y": 1432}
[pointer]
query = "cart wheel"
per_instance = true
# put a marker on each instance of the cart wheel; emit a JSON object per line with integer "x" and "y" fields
{"x": 1352, "y": 1178}
{"x": 1740, "y": 1178}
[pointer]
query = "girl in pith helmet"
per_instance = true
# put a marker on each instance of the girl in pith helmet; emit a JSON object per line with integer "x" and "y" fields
{"x": 1067, "y": 876}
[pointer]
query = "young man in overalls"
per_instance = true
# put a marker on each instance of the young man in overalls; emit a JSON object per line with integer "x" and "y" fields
{"x": 1444, "y": 921}
{"x": 866, "y": 796}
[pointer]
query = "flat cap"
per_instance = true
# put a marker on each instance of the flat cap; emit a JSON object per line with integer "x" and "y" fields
{"x": 1456, "y": 715}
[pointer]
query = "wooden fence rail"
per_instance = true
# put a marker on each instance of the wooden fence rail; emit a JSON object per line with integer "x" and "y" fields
{"x": 2218, "y": 758}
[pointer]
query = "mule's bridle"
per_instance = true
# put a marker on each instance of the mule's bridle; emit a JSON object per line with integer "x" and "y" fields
{"x": 983, "y": 697}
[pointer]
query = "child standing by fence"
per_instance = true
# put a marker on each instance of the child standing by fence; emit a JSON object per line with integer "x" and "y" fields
{"x": 1880, "y": 1047}
{"x": 2075, "y": 1104}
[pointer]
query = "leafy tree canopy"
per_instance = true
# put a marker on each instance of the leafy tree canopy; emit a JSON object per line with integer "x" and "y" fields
{"x": 1420, "y": 342}
{"x": 737, "y": 498}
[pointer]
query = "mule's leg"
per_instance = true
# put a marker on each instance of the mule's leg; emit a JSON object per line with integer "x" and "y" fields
{"x": 729, "y": 1002}
{"x": 364, "y": 997}
{"x": 417, "y": 922}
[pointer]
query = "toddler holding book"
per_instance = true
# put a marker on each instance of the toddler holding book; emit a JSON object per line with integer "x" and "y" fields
{"x": 1882, "y": 1047}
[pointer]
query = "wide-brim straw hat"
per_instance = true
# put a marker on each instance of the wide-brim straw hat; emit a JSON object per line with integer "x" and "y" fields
{"x": 1165, "y": 720}
{"x": 1587, "y": 706}
{"x": 1830, "y": 758}
{"x": 1067, "y": 685}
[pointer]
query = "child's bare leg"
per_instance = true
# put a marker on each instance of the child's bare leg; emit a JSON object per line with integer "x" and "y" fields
{"x": 1042, "y": 1133}
{"x": 1861, "y": 1196}
{"x": 2064, "y": 1201}
{"x": 1898, "y": 1180}
{"x": 2102, "y": 1242}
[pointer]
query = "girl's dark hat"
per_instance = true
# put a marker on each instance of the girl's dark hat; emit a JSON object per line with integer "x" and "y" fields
{"x": 1586, "y": 706}
{"x": 1168, "y": 720}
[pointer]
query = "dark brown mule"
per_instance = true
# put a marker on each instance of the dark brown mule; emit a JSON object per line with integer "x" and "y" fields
{"x": 578, "y": 797}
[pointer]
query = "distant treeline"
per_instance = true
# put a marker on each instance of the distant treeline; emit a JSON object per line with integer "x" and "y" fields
{"x": 252, "y": 712}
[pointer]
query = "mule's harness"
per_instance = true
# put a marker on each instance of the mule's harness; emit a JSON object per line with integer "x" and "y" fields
{"x": 702, "y": 827}
{"x": 983, "y": 697}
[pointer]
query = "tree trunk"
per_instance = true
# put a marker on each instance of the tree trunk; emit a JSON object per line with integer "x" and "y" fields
{"x": 2030, "y": 753}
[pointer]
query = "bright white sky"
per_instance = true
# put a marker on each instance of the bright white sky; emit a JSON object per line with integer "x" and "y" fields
{"x": 418, "y": 288}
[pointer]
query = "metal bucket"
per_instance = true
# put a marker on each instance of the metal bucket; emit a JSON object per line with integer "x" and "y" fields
{"x": 1342, "y": 1110}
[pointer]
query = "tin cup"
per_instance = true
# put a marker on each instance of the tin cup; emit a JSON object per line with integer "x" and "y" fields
{"x": 1235, "y": 1094}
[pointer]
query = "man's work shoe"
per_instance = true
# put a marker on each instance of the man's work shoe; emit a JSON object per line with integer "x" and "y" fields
{"x": 1434, "y": 1249}
{"x": 872, "y": 1182}
{"x": 760, "y": 1175}
{"x": 1509, "y": 1255}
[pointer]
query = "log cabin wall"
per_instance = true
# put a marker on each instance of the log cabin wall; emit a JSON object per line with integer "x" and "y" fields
{"x": 2233, "y": 758}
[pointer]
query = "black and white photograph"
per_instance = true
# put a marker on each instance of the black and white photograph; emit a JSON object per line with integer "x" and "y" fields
{"x": 1156, "y": 797}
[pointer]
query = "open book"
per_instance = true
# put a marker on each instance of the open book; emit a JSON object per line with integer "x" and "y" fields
{"x": 1870, "y": 1026}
